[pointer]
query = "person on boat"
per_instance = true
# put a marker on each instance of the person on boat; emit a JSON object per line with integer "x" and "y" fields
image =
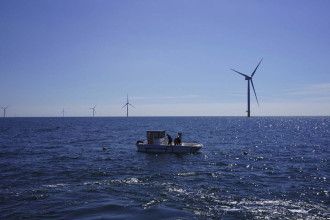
{"x": 177, "y": 140}
{"x": 169, "y": 139}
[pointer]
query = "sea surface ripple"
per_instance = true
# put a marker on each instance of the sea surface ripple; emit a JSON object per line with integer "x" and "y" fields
{"x": 89, "y": 168}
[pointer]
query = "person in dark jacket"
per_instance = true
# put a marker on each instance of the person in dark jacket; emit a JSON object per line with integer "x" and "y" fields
{"x": 177, "y": 140}
{"x": 169, "y": 139}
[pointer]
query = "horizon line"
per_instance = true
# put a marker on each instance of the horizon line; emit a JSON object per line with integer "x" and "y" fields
{"x": 165, "y": 116}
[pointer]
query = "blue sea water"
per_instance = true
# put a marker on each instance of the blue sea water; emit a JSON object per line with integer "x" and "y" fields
{"x": 249, "y": 168}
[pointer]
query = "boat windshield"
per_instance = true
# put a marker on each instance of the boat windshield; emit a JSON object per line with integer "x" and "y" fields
{"x": 161, "y": 134}
{"x": 156, "y": 134}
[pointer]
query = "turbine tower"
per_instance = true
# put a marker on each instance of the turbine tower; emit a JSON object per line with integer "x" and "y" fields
{"x": 63, "y": 112}
{"x": 249, "y": 78}
{"x": 127, "y": 104}
{"x": 93, "y": 110}
{"x": 4, "y": 111}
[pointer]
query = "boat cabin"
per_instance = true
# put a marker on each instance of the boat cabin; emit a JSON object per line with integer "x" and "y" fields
{"x": 155, "y": 137}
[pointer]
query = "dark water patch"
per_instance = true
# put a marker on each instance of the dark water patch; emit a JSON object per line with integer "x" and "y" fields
{"x": 42, "y": 130}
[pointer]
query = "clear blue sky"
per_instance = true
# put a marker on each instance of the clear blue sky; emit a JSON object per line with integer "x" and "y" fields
{"x": 172, "y": 57}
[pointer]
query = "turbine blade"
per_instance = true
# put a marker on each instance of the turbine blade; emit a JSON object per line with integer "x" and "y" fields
{"x": 240, "y": 73}
{"x": 124, "y": 105}
{"x": 255, "y": 92}
{"x": 256, "y": 68}
{"x": 131, "y": 105}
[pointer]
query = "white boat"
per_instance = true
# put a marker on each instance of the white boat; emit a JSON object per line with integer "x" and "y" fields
{"x": 156, "y": 143}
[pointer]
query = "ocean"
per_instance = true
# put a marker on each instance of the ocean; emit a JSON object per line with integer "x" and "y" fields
{"x": 89, "y": 168}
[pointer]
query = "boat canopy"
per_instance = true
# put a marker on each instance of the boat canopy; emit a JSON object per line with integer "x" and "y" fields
{"x": 155, "y": 136}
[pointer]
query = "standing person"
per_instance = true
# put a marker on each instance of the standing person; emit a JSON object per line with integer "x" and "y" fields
{"x": 169, "y": 139}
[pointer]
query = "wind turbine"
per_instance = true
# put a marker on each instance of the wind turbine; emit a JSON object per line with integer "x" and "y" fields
{"x": 249, "y": 78}
{"x": 4, "y": 111}
{"x": 63, "y": 112}
{"x": 127, "y": 104}
{"x": 93, "y": 110}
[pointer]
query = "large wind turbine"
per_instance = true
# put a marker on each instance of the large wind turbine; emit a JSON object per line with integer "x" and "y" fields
{"x": 93, "y": 110}
{"x": 4, "y": 111}
{"x": 127, "y": 104}
{"x": 249, "y": 78}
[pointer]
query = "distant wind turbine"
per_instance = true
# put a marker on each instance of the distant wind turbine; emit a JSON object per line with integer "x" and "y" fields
{"x": 127, "y": 104}
{"x": 63, "y": 112}
{"x": 249, "y": 78}
{"x": 93, "y": 110}
{"x": 4, "y": 111}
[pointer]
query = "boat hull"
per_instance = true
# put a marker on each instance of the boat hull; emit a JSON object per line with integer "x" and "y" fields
{"x": 183, "y": 148}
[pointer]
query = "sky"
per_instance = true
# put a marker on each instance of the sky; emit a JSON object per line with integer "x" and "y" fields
{"x": 171, "y": 57}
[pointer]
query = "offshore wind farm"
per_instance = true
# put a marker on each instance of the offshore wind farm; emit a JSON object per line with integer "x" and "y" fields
{"x": 182, "y": 64}
{"x": 171, "y": 66}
